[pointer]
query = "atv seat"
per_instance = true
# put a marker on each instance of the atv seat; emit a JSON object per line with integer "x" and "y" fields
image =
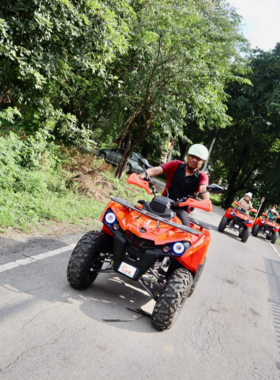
{"x": 160, "y": 206}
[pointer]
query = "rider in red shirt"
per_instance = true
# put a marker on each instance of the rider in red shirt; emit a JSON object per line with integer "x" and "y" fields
{"x": 184, "y": 178}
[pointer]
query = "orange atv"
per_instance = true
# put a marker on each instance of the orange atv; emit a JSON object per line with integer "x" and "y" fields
{"x": 146, "y": 243}
{"x": 237, "y": 219}
{"x": 267, "y": 227}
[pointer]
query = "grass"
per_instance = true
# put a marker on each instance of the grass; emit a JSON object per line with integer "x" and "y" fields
{"x": 24, "y": 211}
{"x": 44, "y": 195}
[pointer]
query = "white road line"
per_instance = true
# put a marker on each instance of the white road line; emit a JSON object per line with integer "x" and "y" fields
{"x": 275, "y": 249}
{"x": 32, "y": 259}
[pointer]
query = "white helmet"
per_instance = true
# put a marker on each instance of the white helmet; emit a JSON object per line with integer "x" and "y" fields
{"x": 273, "y": 210}
{"x": 249, "y": 195}
{"x": 199, "y": 150}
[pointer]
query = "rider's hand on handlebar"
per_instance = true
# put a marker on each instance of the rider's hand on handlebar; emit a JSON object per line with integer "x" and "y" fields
{"x": 143, "y": 176}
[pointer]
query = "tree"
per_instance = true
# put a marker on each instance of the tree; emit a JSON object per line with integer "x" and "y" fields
{"x": 247, "y": 152}
{"x": 50, "y": 50}
{"x": 181, "y": 52}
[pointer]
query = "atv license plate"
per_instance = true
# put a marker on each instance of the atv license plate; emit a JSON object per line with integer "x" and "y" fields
{"x": 267, "y": 232}
{"x": 236, "y": 226}
{"x": 127, "y": 269}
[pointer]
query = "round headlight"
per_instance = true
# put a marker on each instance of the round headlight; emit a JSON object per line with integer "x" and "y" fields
{"x": 178, "y": 248}
{"x": 110, "y": 218}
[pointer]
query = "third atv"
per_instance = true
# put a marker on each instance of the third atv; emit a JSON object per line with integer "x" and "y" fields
{"x": 267, "y": 227}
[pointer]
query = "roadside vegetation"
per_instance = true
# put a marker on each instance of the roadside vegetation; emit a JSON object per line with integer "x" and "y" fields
{"x": 150, "y": 76}
{"x": 43, "y": 183}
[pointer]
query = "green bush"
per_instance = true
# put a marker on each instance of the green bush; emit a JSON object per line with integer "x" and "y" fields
{"x": 33, "y": 187}
{"x": 216, "y": 199}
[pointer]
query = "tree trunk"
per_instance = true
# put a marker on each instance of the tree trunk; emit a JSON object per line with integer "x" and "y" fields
{"x": 230, "y": 197}
{"x": 131, "y": 146}
{"x": 127, "y": 153}
{"x": 205, "y": 166}
{"x": 182, "y": 148}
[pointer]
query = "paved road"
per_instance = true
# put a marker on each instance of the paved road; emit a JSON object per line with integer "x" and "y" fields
{"x": 229, "y": 328}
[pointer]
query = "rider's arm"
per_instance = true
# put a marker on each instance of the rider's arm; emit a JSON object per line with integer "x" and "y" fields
{"x": 157, "y": 170}
{"x": 203, "y": 183}
{"x": 205, "y": 195}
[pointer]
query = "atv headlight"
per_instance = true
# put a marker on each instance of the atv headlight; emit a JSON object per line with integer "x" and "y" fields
{"x": 166, "y": 249}
{"x": 178, "y": 248}
{"x": 277, "y": 228}
{"x": 232, "y": 213}
{"x": 110, "y": 218}
{"x": 249, "y": 221}
{"x": 263, "y": 222}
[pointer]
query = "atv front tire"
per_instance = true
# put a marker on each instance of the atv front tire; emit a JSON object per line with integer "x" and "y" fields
{"x": 223, "y": 224}
{"x": 85, "y": 259}
{"x": 171, "y": 299}
{"x": 274, "y": 238}
{"x": 255, "y": 230}
{"x": 245, "y": 235}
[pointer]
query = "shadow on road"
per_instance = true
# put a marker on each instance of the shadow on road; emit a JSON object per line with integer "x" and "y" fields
{"x": 273, "y": 269}
{"x": 46, "y": 280}
{"x": 110, "y": 299}
{"x": 231, "y": 234}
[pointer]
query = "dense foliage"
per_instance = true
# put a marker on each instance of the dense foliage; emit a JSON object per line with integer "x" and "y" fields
{"x": 139, "y": 73}
{"x": 36, "y": 187}
{"x": 246, "y": 154}
{"x": 51, "y": 52}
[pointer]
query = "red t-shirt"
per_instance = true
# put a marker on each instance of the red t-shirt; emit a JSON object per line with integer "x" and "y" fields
{"x": 170, "y": 168}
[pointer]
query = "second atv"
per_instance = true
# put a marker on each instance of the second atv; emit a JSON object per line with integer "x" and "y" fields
{"x": 238, "y": 219}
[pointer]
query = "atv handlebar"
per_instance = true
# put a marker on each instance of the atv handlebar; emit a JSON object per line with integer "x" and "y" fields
{"x": 214, "y": 189}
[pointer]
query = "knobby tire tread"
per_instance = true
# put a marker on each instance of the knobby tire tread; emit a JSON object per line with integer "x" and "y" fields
{"x": 172, "y": 298}
{"x": 255, "y": 230}
{"x": 223, "y": 224}
{"x": 84, "y": 254}
{"x": 245, "y": 235}
{"x": 274, "y": 238}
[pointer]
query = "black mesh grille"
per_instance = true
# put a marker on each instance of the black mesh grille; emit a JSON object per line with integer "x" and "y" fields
{"x": 138, "y": 242}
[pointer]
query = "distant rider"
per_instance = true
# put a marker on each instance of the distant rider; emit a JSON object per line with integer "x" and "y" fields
{"x": 272, "y": 213}
{"x": 245, "y": 202}
{"x": 184, "y": 178}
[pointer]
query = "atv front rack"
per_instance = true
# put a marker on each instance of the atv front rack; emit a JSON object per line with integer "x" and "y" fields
{"x": 155, "y": 217}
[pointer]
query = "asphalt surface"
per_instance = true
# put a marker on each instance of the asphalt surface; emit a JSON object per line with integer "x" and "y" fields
{"x": 228, "y": 329}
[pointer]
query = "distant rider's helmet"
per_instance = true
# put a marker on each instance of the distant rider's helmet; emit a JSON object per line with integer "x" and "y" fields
{"x": 249, "y": 195}
{"x": 273, "y": 210}
{"x": 199, "y": 150}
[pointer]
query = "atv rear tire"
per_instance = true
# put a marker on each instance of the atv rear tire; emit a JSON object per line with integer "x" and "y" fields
{"x": 171, "y": 299}
{"x": 274, "y": 237}
{"x": 223, "y": 224}
{"x": 85, "y": 258}
{"x": 245, "y": 235}
{"x": 255, "y": 230}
